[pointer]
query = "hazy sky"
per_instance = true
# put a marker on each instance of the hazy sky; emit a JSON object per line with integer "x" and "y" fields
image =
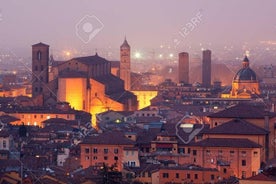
{"x": 146, "y": 23}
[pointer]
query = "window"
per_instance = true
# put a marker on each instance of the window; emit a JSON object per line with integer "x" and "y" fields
{"x": 95, "y": 158}
{"x": 194, "y": 152}
{"x": 36, "y": 68}
{"x": 196, "y": 176}
{"x": 34, "y": 116}
{"x": 189, "y": 150}
{"x": 95, "y": 150}
{"x": 255, "y": 153}
{"x": 254, "y": 173}
{"x": 212, "y": 177}
{"x": 38, "y": 55}
{"x": 208, "y": 152}
{"x": 105, "y": 158}
{"x": 116, "y": 158}
{"x": 232, "y": 153}
{"x": 243, "y": 174}
{"x": 177, "y": 175}
{"x": 36, "y": 89}
{"x": 220, "y": 152}
{"x": 243, "y": 153}
{"x": 4, "y": 144}
{"x": 41, "y": 68}
{"x": 243, "y": 162}
{"x": 105, "y": 150}
{"x": 116, "y": 151}
{"x": 181, "y": 150}
{"x": 41, "y": 116}
{"x": 87, "y": 158}
{"x": 224, "y": 170}
{"x": 165, "y": 175}
{"x": 86, "y": 150}
{"x": 188, "y": 176}
{"x": 41, "y": 89}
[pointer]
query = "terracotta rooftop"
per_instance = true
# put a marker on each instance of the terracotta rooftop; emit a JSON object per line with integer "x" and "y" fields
{"x": 262, "y": 177}
{"x": 243, "y": 110}
{"x": 227, "y": 142}
{"x": 109, "y": 138}
{"x": 91, "y": 60}
{"x": 237, "y": 126}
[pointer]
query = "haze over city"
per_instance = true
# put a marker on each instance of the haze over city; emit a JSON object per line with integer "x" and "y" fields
{"x": 150, "y": 26}
{"x": 137, "y": 92}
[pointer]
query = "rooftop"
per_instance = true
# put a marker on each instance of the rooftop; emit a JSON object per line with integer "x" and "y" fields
{"x": 237, "y": 126}
{"x": 227, "y": 142}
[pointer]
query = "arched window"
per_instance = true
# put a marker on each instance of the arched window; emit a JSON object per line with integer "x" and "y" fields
{"x": 38, "y": 55}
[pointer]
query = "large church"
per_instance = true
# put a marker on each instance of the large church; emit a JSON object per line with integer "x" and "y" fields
{"x": 245, "y": 83}
{"x": 85, "y": 82}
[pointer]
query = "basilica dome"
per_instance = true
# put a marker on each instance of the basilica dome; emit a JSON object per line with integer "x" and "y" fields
{"x": 245, "y": 73}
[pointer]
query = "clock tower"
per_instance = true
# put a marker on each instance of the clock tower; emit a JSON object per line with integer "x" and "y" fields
{"x": 125, "y": 65}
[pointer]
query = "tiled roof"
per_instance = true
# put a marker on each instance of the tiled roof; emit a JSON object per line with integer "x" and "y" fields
{"x": 237, "y": 126}
{"x": 40, "y": 44}
{"x": 72, "y": 74}
{"x": 91, "y": 60}
{"x": 243, "y": 110}
{"x": 7, "y": 119}
{"x": 109, "y": 138}
{"x": 227, "y": 142}
{"x": 262, "y": 177}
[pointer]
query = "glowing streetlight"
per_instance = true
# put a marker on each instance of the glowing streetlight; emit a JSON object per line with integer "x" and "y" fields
{"x": 171, "y": 55}
{"x": 137, "y": 55}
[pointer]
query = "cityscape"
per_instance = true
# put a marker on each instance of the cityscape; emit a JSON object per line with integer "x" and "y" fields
{"x": 138, "y": 92}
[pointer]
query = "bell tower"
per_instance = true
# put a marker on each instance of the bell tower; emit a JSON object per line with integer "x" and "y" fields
{"x": 40, "y": 65}
{"x": 125, "y": 65}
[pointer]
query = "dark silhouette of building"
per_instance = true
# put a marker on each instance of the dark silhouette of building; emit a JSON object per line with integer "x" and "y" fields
{"x": 206, "y": 68}
{"x": 40, "y": 65}
{"x": 125, "y": 64}
{"x": 183, "y": 67}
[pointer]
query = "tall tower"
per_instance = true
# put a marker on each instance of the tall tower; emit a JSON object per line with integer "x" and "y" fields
{"x": 183, "y": 67}
{"x": 206, "y": 68}
{"x": 40, "y": 65}
{"x": 125, "y": 64}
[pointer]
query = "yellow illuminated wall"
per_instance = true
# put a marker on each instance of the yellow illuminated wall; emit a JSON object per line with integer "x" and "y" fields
{"x": 74, "y": 91}
{"x": 144, "y": 98}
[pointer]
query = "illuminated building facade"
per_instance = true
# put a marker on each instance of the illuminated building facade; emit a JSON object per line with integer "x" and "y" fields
{"x": 245, "y": 83}
{"x": 86, "y": 83}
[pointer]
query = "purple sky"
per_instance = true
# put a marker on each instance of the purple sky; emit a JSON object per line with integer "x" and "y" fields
{"x": 146, "y": 23}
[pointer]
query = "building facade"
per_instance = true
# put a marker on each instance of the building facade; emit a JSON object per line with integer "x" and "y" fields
{"x": 125, "y": 68}
{"x": 183, "y": 67}
{"x": 206, "y": 68}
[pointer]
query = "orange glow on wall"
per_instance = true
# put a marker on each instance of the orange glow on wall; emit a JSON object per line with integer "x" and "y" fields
{"x": 73, "y": 90}
{"x": 144, "y": 98}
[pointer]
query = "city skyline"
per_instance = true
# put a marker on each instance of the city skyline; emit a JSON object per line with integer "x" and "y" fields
{"x": 174, "y": 26}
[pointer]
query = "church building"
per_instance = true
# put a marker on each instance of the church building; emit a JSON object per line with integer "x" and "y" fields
{"x": 245, "y": 83}
{"x": 85, "y": 82}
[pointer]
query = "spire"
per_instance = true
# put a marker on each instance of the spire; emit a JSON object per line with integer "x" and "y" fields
{"x": 245, "y": 59}
{"x": 125, "y": 44}
{"x": 245, "y": 62}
